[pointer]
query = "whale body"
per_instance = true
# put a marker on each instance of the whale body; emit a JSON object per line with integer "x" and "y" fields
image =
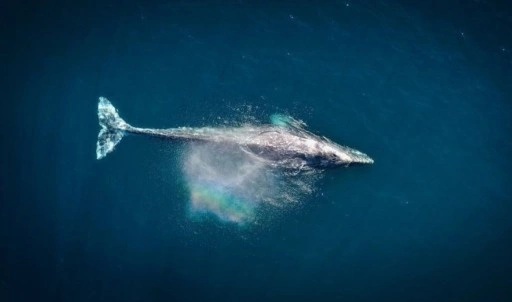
{"x": 284, "y": 143}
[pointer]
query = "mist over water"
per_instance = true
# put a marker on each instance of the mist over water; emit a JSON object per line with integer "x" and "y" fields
{"x": 233, "y": 186}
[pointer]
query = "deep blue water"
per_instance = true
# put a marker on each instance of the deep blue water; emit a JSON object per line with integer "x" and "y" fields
{"x": 424, "y": 88}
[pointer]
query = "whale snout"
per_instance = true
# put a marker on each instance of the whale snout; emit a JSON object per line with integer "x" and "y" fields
{"x": 347, "y": 155}
{"x": 360, "y": 157}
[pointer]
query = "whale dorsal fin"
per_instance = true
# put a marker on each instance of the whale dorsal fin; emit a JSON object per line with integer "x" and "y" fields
{"x": 286, "y": 121}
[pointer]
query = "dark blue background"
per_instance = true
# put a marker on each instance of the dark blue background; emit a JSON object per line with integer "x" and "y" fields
{"x": 424, "y": 87}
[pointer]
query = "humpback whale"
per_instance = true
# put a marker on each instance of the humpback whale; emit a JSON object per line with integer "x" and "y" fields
{"x": 283, "y": 143}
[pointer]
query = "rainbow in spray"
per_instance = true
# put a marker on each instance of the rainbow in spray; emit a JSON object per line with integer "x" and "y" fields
{"x": 210, "y": 198}
{"x": 225, "y": 182}
{"x": 231, "y": 185}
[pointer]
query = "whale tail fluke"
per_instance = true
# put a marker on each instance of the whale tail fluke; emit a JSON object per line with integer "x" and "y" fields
{"x": 112, "y": 130}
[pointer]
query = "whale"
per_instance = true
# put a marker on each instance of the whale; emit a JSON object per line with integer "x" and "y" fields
{"x": 285, "y": 142}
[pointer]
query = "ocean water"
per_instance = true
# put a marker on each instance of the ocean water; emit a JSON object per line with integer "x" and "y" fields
{"x": 424, "y": 88}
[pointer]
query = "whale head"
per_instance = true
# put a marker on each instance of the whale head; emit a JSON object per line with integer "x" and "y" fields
{"x": 331, "y": 154}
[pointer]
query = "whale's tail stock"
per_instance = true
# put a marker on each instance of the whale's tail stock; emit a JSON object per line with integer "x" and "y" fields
{"x": 112, "y": 128}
